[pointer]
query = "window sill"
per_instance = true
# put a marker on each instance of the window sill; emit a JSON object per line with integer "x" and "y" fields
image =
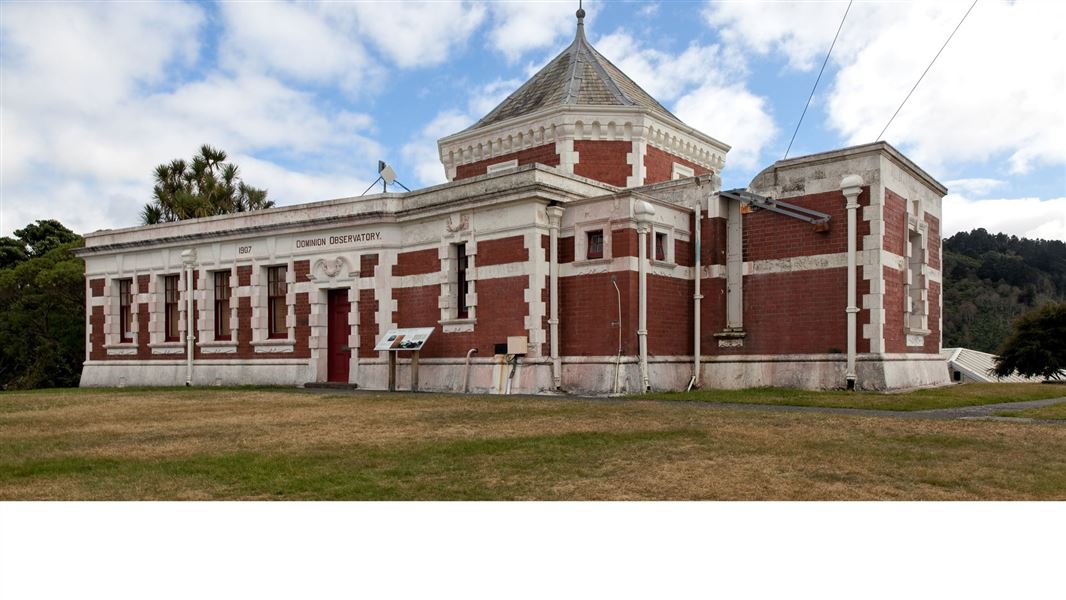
{"x": 218, "y": 343}
{"x": 274, "y": 345}
{"x": 167, "y": 344}
{"x": 663, "y": 264}
{"x": 457, "y": 325}
{"x": 592, "y": 261}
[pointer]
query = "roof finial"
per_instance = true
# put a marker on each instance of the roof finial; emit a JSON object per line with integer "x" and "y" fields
{"x": 580, "y": 15}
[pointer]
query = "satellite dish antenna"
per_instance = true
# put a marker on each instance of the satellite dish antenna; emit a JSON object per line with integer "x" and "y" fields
{"x": 386, "y": 175}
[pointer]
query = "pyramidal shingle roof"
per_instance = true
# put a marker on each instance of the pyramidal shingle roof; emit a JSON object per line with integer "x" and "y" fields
{"x": 579, "y": 76}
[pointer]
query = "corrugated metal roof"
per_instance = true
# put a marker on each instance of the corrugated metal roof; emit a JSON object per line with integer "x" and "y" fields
{"x": 579, "y": 76}
{"x": 977, "y": 366}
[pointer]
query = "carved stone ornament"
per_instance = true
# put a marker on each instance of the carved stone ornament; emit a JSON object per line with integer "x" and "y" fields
{"x": 464, "y": 224}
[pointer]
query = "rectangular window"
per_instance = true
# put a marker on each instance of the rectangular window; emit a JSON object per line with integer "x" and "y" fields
{"x": 125, "y": 310}
{"x": 462, "y": 286}
{"x": 170, "y": 308}
{"x": 276, "y": 307}
{"x": 595, "y": 244}
{"x": 660, "y": 246}
{"x": 222, "y": 315}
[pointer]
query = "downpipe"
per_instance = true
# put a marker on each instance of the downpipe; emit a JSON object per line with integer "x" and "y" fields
{"x": 851, "y": 186}
{"x": 616, "y": 388}
{"x": 466, "y": 369}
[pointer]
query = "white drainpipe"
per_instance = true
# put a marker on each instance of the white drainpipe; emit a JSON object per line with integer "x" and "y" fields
{"x": 642, "y": 212}
{"x": 851, "y": 185}
{"x": 189, "y": 258}
{"x": 555, "y": 218}
{"x": 696, "y": 297}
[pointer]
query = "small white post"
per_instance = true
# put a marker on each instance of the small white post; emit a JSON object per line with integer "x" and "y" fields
{"x": 555, "y": 217}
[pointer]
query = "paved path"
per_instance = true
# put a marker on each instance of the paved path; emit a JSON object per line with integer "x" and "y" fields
{"x": 984, "y": 411}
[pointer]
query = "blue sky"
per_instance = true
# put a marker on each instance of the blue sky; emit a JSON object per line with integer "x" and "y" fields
{"x": 307, "y": 97}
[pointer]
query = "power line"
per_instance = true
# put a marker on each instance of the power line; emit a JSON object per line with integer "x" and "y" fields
{"x": 926, "y": 71}
{"x": 825, "y": 62}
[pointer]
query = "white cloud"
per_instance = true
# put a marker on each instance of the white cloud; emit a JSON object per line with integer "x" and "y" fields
{"x": 519, "y": 27}
{"x": 1024, "y": 217}
{"x": 297, "y": 41}
{"x": 706, "y": 87}
{"x": 82, "y": 148}
{"x": 996, "y": 92}
{"x": 974, "y": 187}
{"x": 421, "y": 151}
{"x": 733, "y": 115}
{"x": 416, "y": 34}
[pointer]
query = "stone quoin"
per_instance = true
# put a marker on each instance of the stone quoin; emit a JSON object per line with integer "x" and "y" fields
{"x": 582, "y": 221}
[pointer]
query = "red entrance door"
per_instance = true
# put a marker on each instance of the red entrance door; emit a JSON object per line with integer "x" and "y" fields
{"x": 338, "y": 352}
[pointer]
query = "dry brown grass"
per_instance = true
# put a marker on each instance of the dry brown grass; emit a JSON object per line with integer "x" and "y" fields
{"x": 202, "y": 444}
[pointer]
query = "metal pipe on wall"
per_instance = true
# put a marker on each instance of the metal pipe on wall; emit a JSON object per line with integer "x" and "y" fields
{"x": 851, "y": 186}
{"x": 555, "y": 218}
{"x": 188, "y": 257}
{"x": 696, "y": 297}
{"x": 642, "y": 212}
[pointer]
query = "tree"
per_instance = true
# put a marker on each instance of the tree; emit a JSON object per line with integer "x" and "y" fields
{"x": 1037, "y": 346}
{"x": 42, "y": 325}
{"x": 204, "y": 187}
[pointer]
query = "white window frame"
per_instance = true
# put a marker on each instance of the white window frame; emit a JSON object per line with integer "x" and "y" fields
{"x": 680, "y": 171}
{"x": 581, "y": 241}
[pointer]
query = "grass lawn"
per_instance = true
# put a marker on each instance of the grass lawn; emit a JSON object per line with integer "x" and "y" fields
{"x": 1055, "y": 411}
{"x": 289, "y": 444}
{"x": 970, "y": 394}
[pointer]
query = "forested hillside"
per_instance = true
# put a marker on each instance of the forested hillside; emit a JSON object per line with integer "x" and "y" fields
{"x": 990, "y": 279}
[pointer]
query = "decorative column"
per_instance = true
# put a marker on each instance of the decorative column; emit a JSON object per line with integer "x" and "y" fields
{"x": 851, "y": 186}
{"x": 188, "y": 257}
{"x": 642, "y": 212}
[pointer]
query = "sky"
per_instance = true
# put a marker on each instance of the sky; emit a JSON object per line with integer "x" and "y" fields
{"x": 307, "y": 97}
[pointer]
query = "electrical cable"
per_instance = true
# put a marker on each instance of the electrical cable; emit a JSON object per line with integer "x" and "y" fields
{"x": 824, "y": 63}
{"x": 926, "y": 71}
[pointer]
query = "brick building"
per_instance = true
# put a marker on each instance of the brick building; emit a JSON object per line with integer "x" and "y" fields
{"x": 582, "y": 218}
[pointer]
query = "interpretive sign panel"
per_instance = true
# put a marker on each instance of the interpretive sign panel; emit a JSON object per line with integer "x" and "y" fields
{"x": 404, "y": 340}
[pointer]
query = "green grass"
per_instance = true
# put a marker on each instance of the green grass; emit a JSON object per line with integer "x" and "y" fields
{"x": 287, "y": 444}
{"x": 953, "y": 396}
{"x": 1055, "y": 412}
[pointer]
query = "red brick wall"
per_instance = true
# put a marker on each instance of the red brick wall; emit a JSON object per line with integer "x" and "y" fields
{"x": 933, "y": 225}
{"x": 368, "y": 323}
{"x": 501, "y": 251}
{"x": 932, "y": 341}
{"x": 566, "y": 249}
{"x": 659, "y": 165}
{"x": 669, "y": 316}
{"x": 624, "y": 242}
{"x": 97, "y": 287}
{"x": 683, "y": 253}
{"x": 544, "y": 155}
{"x": 588, "y": 314}
{"x": 603, "y": 161}
{"x": 895, "y": 338}
{"x": 795, "y": 313}
{"x": 895, "y": 222}
{"x": 244, "y": 276}
{"x": 417, "y": 262}
{"x": 367, "y": 264}
{"x": 500, "y": 313}
{"x": 769, "y": 235}
{"x": 302, "y": 270}
{"x": 97, "y": 338}
{"x": 713, "y": 244}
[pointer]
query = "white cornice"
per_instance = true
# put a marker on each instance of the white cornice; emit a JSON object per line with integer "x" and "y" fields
{"x": 629, "y": 123}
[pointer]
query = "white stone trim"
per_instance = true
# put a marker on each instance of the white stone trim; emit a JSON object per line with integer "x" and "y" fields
{"x": 502, "y": 166}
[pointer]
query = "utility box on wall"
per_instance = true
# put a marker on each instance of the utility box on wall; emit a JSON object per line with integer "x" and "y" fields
{"x": 517, "y": 344}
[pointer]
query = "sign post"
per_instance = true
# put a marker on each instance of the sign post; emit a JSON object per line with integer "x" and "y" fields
{"x": 403, "y": 340}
